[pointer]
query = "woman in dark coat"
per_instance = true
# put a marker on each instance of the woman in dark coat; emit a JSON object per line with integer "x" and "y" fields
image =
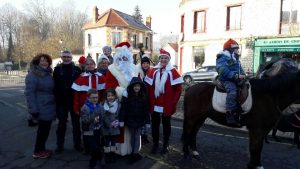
{"x": 39, "y": 94}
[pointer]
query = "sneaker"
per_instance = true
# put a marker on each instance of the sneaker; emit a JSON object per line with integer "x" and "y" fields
{"x": 41, "y": 155}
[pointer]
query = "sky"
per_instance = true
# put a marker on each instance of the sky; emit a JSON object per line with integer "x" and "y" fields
{"x": 164, "y": 13}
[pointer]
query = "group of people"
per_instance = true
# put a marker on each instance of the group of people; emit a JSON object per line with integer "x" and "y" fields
{"x": 110, "y": 106}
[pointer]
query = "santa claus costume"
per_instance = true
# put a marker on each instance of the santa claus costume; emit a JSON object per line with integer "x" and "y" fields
{"x": 118, "y": 77}
{"x": 164, "y": 90}
{"x": 91, "y": 79}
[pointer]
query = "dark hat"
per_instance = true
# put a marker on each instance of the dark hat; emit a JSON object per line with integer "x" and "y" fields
{"x": 145, "y": 58}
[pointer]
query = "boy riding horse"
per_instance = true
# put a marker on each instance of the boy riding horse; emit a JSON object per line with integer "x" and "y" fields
{"x": 230, "y": 72}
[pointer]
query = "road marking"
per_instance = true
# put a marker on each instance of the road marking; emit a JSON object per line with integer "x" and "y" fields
{"x": 232, "y": 136}
{"x": 21, "y": 105}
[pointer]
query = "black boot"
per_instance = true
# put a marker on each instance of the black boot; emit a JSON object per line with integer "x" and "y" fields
{"x": 112, "y": 157}
{"x": 231, "y": 119}
{"x": 145, "y": 139}
{"x": 107, "y": 158}
{"x": 165, "y": 148}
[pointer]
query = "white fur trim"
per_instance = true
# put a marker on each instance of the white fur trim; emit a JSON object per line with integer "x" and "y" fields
{"x": 160, "y": 82}
{"x": 86, "y": 88}
{"x": 148, "y": 80}
{"x": 124, "y": 148}
{"x": 106, "y": 149}
{"x": 125, "y": 93}
{"x": 260, "y": 167}
{"x": 219, "y": 102}
{"x": 158, "y": 109}
{"x": 179, "y": 80}
{"x": 76, "y": 87}
{"x": 140, "y": 71}
{"x": 195, "y": 153}
{"x": 112, "y": 148}
{"x": 120, "y": 91}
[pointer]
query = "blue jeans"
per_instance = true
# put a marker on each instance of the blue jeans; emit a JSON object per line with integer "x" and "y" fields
{"x": 231, "y": 90}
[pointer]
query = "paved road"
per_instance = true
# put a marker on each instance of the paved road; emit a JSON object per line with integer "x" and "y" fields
{"x": 219, "y": 148}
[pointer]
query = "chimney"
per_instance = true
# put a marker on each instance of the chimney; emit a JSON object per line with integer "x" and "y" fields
{"x": 95, "y": 14}
{"x": 148, "y": 21}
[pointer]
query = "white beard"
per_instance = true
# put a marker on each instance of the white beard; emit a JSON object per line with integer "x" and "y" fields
{"x": 127, "y": 70}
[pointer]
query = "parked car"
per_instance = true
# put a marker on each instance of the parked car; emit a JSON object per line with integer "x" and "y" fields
{"x": 205, "y": 73}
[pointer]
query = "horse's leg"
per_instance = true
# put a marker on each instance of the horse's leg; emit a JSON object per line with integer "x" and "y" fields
{"x": 296, "y": 138}
{"x": 194, "y": 133}
{"x": 186, "y": 135}
{"x": 274, "y": 135}
{"x": 256, "y": 138}
{"x": 266, "y": 138}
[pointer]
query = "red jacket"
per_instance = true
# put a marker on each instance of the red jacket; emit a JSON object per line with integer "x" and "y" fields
{"x": 82, "y": 84}
{"x": 166, "y": 102}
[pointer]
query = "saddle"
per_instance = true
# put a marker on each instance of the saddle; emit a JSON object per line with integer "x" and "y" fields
{"x": 244, "y": 97}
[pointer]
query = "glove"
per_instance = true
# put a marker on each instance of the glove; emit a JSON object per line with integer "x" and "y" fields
{"x": 35, "y": 115}
{"x": 115, "y": 123}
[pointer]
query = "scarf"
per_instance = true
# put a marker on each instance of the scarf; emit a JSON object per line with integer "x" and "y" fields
{"x": 91, "y": 106}
{"x": 111, "y": 107}
{"x": 160, "y": 81}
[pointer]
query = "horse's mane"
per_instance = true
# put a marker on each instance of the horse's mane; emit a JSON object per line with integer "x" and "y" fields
{"x": 279, "y": 83}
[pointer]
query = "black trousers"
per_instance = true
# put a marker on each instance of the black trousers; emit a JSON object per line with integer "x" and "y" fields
{"x": 166, "y": 122}
{"x": 95, "y": 145}
{"x": 62, "y": 112}
{"x": 110, "y": 140}
{"x": 42, "y": 135}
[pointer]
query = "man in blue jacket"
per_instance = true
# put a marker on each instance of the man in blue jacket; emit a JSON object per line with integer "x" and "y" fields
{"x": 230, "y": 72}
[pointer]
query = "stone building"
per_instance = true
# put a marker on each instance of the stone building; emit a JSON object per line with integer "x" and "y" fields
{"x": 264, "y": 29}
{"x": 112, "y": 27}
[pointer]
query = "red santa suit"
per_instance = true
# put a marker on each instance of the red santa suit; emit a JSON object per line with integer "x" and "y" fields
{"x": 164, "y": 89}
{"x": 85, "y": 82}
{"x": 118, "y": 80}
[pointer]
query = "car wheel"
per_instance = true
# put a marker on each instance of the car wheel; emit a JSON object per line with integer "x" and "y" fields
{"x": 187, "y": 79}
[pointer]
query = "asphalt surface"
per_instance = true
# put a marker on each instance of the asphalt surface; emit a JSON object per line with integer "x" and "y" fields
{"x": 219, "y": 147}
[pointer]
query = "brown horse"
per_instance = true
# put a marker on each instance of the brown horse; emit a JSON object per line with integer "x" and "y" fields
{"x": 270, "y": 97}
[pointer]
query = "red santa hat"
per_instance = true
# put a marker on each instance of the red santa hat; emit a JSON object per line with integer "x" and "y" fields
{"x": 81, "y": 59}
{"x": 122, "y": 44}
{"x": 162, "y": 52}
{"x": 231, "y": 44}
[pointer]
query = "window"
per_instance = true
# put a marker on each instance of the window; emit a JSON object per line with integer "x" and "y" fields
{"x": 89, "y": 40}
{"x": 234, "y": 18}
{"x": 134, "y": 41}
{"x": 199, "y": 56}
{"x": 146, "y": 43}
{"x": 289, "y": 23}
{"x": 116, "y": 38}
{"x": 182, "y": 24}
{"x": 199, "y": 21}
